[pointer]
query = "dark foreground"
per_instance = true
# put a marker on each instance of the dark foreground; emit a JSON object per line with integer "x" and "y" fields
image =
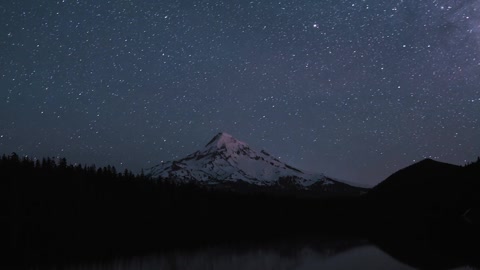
{"x": 436, "y": 245}
{"x": 53, "y": 213}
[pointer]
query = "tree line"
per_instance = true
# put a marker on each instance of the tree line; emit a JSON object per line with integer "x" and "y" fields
{"x": 50, "y": 207}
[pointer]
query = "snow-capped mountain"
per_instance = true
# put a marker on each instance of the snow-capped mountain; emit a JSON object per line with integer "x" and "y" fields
{"x": 227, "y": 160}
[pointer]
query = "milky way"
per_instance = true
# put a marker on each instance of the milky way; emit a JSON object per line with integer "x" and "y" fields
{"x": 354, "y": 89}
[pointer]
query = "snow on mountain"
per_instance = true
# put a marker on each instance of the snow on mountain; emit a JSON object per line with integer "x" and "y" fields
{"x": 225, "y": 159}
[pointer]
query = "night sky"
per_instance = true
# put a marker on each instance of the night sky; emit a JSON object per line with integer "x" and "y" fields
{"x": 354, "y": 89}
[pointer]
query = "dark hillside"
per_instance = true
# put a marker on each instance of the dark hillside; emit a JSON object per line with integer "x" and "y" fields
{"x": 429, "y": 188}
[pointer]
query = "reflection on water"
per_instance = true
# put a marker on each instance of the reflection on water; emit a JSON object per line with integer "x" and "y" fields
{"x": 302, "y": 255}
{"x": 359, "y": 257}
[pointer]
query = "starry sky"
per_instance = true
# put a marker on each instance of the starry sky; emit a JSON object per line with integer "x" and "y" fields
{"x": 356, "y": 89}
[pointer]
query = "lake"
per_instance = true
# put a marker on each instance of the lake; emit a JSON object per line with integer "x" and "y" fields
{"x": 319, "y": 254}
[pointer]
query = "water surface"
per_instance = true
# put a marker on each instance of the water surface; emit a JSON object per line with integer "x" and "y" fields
{"x": 321, "y": 255}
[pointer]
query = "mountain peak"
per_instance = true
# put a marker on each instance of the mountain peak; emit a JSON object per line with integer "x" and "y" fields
{"x": 224, "y": 140}
{"x": 427, "y": 160}
{"x": 221, "y": 136}
{"x": 431, "y": 163}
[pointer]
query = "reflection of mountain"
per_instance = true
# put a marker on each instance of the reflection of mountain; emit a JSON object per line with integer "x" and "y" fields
{"x": 331, "y": 247}
{"x": 290, "y": 253}
{"x": 324, "y": 246}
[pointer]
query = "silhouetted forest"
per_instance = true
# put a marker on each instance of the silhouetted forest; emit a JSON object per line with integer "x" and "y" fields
{"x": 51, "y": 209}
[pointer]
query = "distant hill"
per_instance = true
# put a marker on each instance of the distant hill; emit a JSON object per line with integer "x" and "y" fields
{"x": 432, "y": 188}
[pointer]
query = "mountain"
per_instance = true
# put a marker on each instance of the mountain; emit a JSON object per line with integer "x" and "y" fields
{"x": 431, "y": 187}
{"x": 420, "y": 177}
{"x": 427, "y": 215}
{"x": 228, "y": 162}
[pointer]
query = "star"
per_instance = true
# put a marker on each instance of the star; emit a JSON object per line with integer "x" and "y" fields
{"x": 357, "y": 92}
